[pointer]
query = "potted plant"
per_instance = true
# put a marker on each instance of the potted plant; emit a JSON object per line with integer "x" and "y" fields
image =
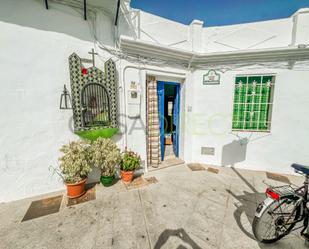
{"x": 106, "y": 156}
{"x": 129, "y": 162}
{"x": 75, "y": 165}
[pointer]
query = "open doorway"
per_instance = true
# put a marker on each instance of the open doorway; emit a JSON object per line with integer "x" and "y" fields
{"x": 169, "y": 104}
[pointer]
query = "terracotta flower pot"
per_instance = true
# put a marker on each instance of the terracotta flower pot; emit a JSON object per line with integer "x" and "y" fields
{"x": 75, "y": 190}
{"x": 127, "y": 176}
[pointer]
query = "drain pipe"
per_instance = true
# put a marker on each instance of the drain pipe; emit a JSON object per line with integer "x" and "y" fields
{"x": 190, "y": 62}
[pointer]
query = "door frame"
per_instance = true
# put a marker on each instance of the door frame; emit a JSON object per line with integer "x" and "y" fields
{"x": 178, "y": 91}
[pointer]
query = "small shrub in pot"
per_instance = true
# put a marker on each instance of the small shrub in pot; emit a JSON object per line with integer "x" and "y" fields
{"x": 130, "y": 161}
{"x": 106, "y": 156}
{"x": 75, "y": 165}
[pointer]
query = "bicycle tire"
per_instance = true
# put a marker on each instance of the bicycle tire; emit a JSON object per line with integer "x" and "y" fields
{"x": 257, "y": 220}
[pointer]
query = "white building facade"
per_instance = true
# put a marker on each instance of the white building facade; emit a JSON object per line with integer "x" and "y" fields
{"x": 209, "y": 63}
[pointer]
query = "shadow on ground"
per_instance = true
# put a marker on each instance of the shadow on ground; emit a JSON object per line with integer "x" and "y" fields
{"x": 179, "y": 233}
{"x": 248, "y": 203}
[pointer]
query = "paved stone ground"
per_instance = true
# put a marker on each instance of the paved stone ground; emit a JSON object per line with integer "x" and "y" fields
{"x": 185, "y": 209}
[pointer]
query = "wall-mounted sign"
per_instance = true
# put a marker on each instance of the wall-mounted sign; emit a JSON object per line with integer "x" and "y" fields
{"x": 134, "y": 100}
{"x": 133, "y": 85}
{"x": 211, "y": 78}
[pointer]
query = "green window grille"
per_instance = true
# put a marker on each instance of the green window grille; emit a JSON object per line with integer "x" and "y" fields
{"x": 253, "y": 100}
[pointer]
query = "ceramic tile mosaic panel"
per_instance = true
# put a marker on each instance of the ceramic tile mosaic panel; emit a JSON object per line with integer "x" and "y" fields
{"x": 80, "y": 77}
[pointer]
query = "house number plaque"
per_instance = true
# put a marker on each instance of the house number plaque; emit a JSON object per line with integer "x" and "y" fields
{"x": 211, "y": 78}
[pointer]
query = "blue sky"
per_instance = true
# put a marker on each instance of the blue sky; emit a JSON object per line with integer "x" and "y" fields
{"x": 220, "y": 12}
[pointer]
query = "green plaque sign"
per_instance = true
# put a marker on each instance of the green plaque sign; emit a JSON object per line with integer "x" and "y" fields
{"x": 211, "y": 78}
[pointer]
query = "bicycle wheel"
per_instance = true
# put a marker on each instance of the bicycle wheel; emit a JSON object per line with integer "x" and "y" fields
{"x": 277, "y": 220}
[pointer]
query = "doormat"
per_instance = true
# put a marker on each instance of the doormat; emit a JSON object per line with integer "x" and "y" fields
{"x": 277, "y": 177}
{"x": 137, "y": 182}
{"x": 213, "y": 170}
{"x": 151, "y": 179}
{"x": 43, "y": 207}
{"x": 88, "y": 196}
{"x": 195, "y": 166}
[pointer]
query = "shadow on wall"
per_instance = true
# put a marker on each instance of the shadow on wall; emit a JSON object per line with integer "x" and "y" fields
{"x": 59, "y": 18}
{"x": 234, "y": 152}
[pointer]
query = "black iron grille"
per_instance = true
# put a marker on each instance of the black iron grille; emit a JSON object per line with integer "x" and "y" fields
{"x": 95, "y": 105}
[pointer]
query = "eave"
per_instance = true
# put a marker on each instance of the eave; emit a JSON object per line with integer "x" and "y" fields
{"x": 147, "y": 49}
{"x": 142, "y": 48}
{"x": 259, "y": 55}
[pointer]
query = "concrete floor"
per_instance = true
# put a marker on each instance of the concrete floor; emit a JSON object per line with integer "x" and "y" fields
{"x": 185, "y": 209}
{"x": 169, "y": 151}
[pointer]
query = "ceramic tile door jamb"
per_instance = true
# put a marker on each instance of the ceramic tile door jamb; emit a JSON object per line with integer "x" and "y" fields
{"x": 153, "y": 128}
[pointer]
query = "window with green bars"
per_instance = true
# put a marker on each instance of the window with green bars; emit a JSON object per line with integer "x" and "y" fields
{"x": 253, "y": 100}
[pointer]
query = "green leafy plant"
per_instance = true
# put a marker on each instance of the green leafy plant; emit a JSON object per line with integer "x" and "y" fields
{"x": 75, "y": 164}
{"x": 130, "y": 161}
{"x": 106, "y": 156}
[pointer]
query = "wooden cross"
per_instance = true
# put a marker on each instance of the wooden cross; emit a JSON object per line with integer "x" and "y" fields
{"x": 93, "y": 54}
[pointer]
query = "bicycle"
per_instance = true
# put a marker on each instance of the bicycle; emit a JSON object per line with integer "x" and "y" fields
{"x": 284, "y": 207}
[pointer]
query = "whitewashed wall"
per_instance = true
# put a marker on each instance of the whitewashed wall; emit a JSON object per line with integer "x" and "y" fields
{"x": 257, "y": 35}
{"x": 209, "y": 124}
{"x": 163, "y": 31}
{"x": 134, "y": 139}
{"x": 35, "y": 45}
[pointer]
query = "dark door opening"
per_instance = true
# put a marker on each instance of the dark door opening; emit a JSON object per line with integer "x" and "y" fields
{"x": 169, "y": 98}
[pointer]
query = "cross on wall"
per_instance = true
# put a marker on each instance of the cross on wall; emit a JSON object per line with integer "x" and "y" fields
{"x": 93, "y": 53}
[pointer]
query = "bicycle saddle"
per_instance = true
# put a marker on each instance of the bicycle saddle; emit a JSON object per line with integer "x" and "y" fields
{"x": 301, "y": 168}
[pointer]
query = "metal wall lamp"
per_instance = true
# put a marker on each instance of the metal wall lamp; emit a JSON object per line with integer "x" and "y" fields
{"x": 65, "y": 99}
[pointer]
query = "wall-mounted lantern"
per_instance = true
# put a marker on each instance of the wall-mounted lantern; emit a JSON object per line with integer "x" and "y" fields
{"x": 65, "y": 99}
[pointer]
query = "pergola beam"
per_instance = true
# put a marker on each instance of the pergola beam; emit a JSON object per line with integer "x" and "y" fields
{"x": 46, "y": 4}
{"x": 85, "y": 10}
{"x": 117, "y": 13}
{"x": 85, "y": 7}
